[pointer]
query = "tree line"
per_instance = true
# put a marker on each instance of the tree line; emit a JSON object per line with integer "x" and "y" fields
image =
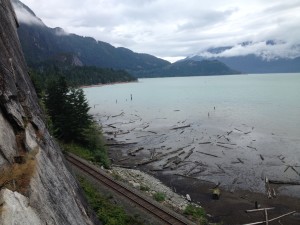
{"x": 78, "y": 75}
{"x": 66, "y": 109}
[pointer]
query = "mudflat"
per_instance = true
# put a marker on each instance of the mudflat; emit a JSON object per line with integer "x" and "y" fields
{"x": 240, "y": 133}
{"x": 193, "y": 159}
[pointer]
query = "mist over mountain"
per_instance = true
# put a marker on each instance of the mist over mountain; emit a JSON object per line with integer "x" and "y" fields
{"x": 41, "y": 43}
{"x": 260, "y": 57}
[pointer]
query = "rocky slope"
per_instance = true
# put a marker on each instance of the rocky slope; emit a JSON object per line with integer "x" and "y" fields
{"x": 36, "y": 187}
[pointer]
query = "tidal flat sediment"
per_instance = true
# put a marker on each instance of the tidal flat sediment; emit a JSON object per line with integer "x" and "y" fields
{"x": 194, "y": 157}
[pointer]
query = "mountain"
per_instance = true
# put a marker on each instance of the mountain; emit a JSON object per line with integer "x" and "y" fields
{"x": 251, "y": 63}
{"x": 41, "y": 43}
{"x": 190, "y": 67}
{"x": 75, "y": 73}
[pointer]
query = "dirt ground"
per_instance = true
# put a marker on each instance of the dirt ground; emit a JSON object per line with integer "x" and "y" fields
{"x": 230, "y": 208}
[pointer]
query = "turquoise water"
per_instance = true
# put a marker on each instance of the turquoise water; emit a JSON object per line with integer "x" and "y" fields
{"x": 256, "y": 118}
{"x": 270, "y": 102}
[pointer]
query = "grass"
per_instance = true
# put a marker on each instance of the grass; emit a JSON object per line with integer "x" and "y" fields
{"x": 87, "y": 154}
{"x": 197, "y": 213}
{"x": 93, "y": 148}
{"x": 116, "y": 176}
{"x": 78, "y": 150}
{"x": 17, "y": 176}
{"x": 107, "y": 212}
{"x": 159, "y": 196}
{"x": 144, "y": 188}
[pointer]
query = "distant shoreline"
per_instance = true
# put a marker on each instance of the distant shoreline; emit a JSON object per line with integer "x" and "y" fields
{"x": 113, "y": 83}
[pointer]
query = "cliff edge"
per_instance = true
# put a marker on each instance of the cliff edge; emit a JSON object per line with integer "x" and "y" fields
{"x": 35, "y": 185}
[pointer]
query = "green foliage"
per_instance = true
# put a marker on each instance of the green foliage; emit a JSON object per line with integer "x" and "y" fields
{"x": 68, "y": 109}
{"x": 97, "y": 155}
{"x": 76, "y": 75}
{"x": 197, "y": 213}
{"x": 93, "y": 139}
{"x": 116, "y": 176}
{"x": 67, "y": 118}
{"x": 159, "y": 196}
{"x": 144, "y": 188}
{"x": 108, "y": 213}
{"x": 79, "y": 150}
{"x": 190, "y": 68}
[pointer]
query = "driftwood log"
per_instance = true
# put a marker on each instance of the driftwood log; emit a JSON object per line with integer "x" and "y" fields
{"x": 204, "y": 153}
{"x": 176, "y": 128}
{"x": 291, "y": 182}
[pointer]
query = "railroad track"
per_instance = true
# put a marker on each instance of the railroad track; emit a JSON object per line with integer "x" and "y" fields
{"x": 165, "y": 215}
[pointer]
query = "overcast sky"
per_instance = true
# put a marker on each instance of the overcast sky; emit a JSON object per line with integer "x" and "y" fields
{"x": 174, "y": 29}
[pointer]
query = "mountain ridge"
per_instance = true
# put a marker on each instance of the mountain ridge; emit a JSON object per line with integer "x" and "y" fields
{"x": 40, "y": 43}
{"x": 258, "y": 62}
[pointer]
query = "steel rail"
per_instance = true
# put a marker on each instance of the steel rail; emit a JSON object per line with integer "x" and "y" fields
{"x": 164, "y": 215}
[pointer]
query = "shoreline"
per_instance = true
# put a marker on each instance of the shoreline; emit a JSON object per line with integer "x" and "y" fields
{"x": 230, "y": 208}
{"x": 113, "y": 83}
{"x": 194, "y": 148}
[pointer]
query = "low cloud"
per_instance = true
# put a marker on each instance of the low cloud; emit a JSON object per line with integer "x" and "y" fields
{"x": 60, "y": 32}
{"x": 167, "y": 28}
{"x": 267, "y": 50}
{"x": 24, "y": 16}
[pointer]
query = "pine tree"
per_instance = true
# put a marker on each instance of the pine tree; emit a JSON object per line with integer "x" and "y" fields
{"x": 55, "y": 101}
{"x": 68, "y": 109}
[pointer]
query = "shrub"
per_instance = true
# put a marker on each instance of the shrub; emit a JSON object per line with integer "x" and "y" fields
{"x": 78, "y": 150}
{"x": 197, "y": 213}
{"x": 102, "y": 158}
{"x": 107, "y": 212}
{"x": 94, "y": 146}
{"x": 159, "y": 196}
{"x": 116, "y": 176}
{"x": 144, "y": 188}
{"x": 97, "y": 156}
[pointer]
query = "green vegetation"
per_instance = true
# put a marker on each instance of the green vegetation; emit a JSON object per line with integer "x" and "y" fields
{"x": 98, "y": 156}
{"x": 116, "y": 176}
{"x": 67, "y": 118}
{"x": 144, "y": 188}
{"x": 197, "y": 213}
{"x": 190, "y": 68}
{"x": 107, "y": 212}
{"x": 77, "y": 75}
{"x": 68, "y": 110}
{"x": 159, "y": 196}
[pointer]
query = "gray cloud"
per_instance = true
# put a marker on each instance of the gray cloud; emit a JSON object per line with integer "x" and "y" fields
{"x": 24, "y": 16}
{"x": 263, "y": 49}
{"x": 177, "y": 28}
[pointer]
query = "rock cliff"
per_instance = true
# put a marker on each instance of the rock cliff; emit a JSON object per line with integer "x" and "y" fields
{"x": 35, "y": 185}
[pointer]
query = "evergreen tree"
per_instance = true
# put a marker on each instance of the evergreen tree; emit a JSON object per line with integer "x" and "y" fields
{"x": 55, "y": 101}
{"x": 68, "y": 109}
{"x": 78, "y": 118}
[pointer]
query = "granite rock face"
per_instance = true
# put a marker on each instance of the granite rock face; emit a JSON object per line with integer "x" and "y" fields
{"x": 17, "y": 209}
{"x": 53, "y": 195}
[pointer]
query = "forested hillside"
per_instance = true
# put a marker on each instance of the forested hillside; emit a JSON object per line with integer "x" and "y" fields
{"x": 77, "y": 75}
